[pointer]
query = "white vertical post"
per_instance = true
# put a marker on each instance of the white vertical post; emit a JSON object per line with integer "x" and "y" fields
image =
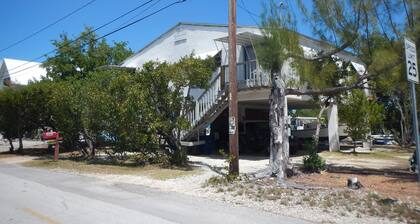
{"x": 287, "y": 126}
{"x": 333, "y": 135}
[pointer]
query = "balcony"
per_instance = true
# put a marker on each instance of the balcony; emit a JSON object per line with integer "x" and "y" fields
{"x": 249, "y": 75}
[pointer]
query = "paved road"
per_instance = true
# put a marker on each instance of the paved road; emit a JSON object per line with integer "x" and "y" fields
{"x": 29, "y": 195}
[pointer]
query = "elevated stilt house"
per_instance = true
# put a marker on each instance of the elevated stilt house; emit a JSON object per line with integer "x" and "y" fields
{"x": 209, "y": 118}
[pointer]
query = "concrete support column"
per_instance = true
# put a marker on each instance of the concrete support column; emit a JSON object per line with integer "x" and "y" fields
{"x": 287, "y": 126}
{"x": 367, "y": 143}
{"x": 333, "y": 135}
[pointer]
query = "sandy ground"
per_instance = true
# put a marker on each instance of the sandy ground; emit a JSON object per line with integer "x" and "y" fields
{"x": 248, "y": 164}
{"x": 404, "y": 188}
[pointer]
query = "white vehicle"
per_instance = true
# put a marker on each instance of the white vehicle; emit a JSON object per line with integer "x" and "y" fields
{"x": 305, "y": 127}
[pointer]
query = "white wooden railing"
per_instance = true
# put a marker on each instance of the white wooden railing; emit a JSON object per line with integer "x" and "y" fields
{"x": 249, "y": 76}
{"x": 206, "y": 101}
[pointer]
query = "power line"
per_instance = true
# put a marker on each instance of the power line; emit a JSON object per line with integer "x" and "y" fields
{"x": 121, "y": 28}
{"x": 142, "y": 18}
{"x": 252, "y": 15}
{"x": 90, "y": 32}
{"x": 47, "y": 26}
{"x": 140, "y": 13}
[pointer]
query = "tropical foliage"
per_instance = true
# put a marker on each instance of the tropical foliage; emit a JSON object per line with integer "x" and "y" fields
{"x": 122, "y": 109}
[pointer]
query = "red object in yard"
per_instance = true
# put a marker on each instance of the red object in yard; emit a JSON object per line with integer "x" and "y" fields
{"x": 52, "y": 135}
{"x": 56, "y": 149}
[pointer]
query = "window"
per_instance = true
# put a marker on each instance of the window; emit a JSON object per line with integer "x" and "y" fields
{"x": 178, "y": 42}
{"x": 180, "y": 36}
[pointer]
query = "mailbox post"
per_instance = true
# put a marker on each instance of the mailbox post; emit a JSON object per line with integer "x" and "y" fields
{"x": 56, "y": 148}
{"x": 53, "y": 138}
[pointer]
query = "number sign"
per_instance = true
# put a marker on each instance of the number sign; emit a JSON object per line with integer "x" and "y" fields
{"x": 411, "y": 60}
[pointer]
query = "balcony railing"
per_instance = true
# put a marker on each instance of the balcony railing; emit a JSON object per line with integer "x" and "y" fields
{"x": 250, "y": 75}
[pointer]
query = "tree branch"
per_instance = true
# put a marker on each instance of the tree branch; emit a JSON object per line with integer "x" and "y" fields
{"x": 358, "y": 84}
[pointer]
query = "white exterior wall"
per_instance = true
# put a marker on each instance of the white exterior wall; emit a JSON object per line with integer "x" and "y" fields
{"x": 183, "y": 40}
{"x": 20, "y": 72}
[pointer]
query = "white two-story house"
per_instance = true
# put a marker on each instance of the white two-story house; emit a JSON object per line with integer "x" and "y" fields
{"x": 209, "y": 119}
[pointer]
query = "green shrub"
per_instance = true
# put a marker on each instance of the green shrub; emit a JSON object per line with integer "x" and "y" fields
{"x": 225, "y": 169}
{"x": 142, "y": 159}
{"x": 313, "y": 162}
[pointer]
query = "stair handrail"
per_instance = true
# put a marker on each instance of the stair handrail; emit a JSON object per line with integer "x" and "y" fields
{"x": 206, "y": 100}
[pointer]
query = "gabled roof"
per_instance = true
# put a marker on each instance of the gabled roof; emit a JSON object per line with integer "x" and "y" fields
{"x": 182, "y": 24}
{"x": 304, "y": 38}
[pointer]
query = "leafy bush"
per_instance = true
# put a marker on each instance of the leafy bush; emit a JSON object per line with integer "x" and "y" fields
{"x": 225, "y": 169}
{"x": 413, "y": 162}
{"x": 143, "y": 159}
{"x": 313, "y": 162}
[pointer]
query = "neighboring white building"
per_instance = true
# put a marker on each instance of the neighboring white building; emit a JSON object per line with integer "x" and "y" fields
{"x": 19, "y": 72}
{"x": 253, "y": 83}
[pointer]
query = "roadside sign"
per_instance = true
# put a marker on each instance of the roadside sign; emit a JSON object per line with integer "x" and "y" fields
{"x": 411, "y": 61}
{"x": 413, "y": 78}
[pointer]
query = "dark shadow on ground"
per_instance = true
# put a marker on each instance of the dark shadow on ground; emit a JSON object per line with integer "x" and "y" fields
{"x": 108, "y": 161}
{"x": 367, "y": 171}
{"x": 30, "y": 152}
{"x": 242, "y": 157}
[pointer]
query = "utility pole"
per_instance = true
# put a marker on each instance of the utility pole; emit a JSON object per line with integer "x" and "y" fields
{"x": 233, "y": 92}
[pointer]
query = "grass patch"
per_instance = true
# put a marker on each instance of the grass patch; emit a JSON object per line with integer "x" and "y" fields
{"x": 153, "y": 171}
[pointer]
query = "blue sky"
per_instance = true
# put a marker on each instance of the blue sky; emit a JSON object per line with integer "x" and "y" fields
{"x": 20, "y": 18}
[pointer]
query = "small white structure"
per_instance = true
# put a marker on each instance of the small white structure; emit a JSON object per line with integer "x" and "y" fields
{"x": 19, "y": 72}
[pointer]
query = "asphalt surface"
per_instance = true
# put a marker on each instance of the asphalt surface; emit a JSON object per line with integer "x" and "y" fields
{"x": 30, "y": 195}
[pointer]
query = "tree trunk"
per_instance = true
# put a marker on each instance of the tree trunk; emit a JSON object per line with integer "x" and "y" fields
{"x": 279, "y": 156}
{"x": 91, "y": 144}
{"x": 20, "y": 149}
{"x": 92, "y": 149}
{"x": 20, "y": 144}
{"x": 405, "y": 140}
{"x": 354, "y": 146}
{"x": 12, "y": 148}
{"x": 318, "y": 125}
{"x": 177, "y": 153}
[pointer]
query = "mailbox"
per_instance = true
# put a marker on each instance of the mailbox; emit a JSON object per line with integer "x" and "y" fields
{"x": 51, "y": 135}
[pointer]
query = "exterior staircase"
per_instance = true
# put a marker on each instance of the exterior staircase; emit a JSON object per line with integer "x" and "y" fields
{"x": 215, "y": 100}
{"x": 207, "y": 107}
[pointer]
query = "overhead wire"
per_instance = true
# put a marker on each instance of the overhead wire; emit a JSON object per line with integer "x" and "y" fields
{"x": 142, "y": 18}
{"x": 251, "y": 14}
{"x": 122, "y": 27}
{"x": 140, "y": 13}
{"x": 90, "y": 32}
{"x": 47, "y": 26}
